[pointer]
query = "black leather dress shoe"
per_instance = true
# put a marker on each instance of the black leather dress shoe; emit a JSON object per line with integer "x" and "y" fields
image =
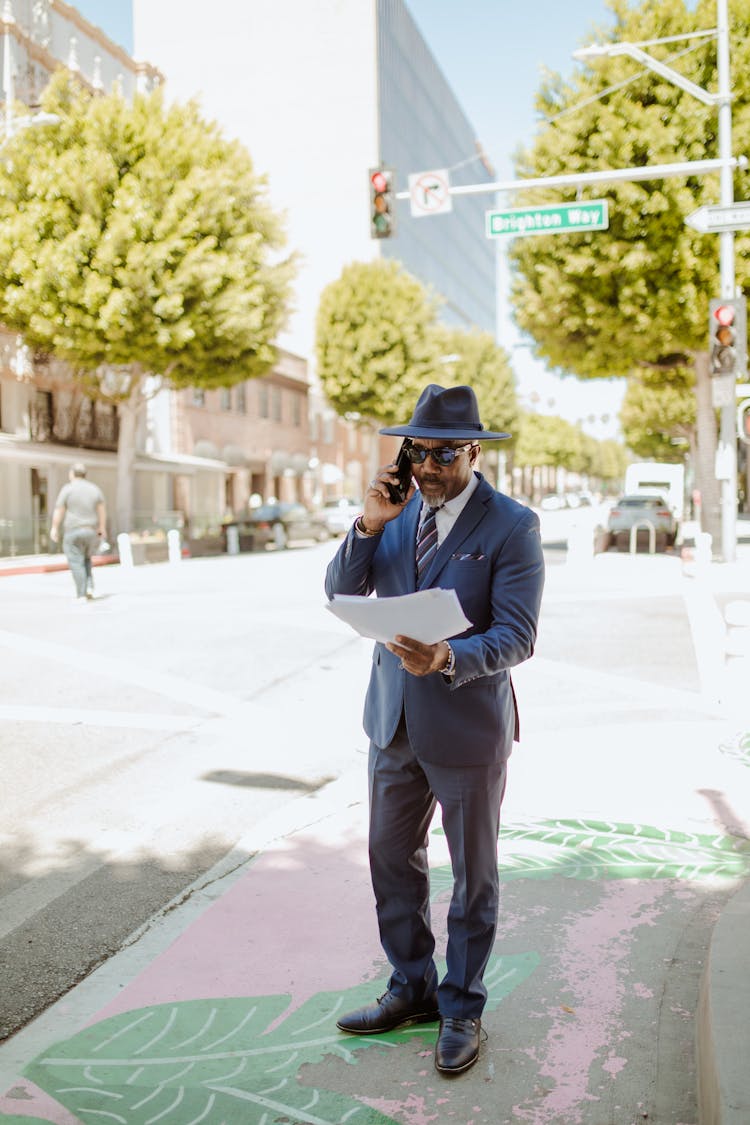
{"x": 388, "y": 1012}
{"x": 457, "y": 1047}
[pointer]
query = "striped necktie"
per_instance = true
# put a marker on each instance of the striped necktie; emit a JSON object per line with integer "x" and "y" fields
{"x": 427, "y": 542}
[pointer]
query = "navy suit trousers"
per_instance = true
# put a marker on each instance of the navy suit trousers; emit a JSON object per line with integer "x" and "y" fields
{"x": 403, "y": 796}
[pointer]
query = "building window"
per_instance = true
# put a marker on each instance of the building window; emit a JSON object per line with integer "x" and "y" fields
{"x": 329, "y": 435}
{"x": 314, "y": 426}
{"x": 263, "y": 400}
{"x": 296, "y": 410}
{"x": 276, "y": 404}
{"x": 225, "y": 400}
{"x": 199, "y": 397}
{"x": 241, "y": 399}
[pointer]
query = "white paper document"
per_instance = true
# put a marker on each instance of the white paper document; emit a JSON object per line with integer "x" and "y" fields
{"x": 428, "y": 616}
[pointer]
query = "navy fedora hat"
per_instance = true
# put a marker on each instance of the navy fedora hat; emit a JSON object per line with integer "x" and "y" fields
{"x": 446, "y": 412}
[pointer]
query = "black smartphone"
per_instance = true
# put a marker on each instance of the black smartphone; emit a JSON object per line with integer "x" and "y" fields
{"x": 397, "y": 492}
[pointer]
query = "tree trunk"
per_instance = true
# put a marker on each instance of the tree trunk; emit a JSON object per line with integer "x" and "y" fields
{"x": 129, "y": 412}
{"x": 705, "y": 459}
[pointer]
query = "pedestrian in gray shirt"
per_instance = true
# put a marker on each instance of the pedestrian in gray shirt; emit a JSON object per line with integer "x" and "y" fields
{"x": 81, "y": 511}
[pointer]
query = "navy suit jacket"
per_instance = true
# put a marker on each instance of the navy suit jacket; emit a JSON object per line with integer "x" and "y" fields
{"x": 492, "y": 558}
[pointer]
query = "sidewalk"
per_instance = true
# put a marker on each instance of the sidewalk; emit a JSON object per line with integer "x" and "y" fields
{"x": 615, "y": 875}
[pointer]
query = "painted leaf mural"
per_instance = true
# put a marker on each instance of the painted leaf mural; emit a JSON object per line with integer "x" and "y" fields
{"x": 226, "y": 1060}
{"x": 14, "y": 1119}
{"x": 593, "y": 849}
{"x": 239, "y": 1061}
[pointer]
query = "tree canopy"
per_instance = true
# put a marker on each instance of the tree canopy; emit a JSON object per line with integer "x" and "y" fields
{"x": 134, "y": 234}
{"x": 546, "y": 439}
{"x": 375, "y": 341}
{"x": 379, "y": 343}
{"x": 637, "y": 295}
{"x": 658, "y": 414}
{"x": 601, "y": 303}
{"x": 135, "y": 240}
{"x": 474, "y": 359}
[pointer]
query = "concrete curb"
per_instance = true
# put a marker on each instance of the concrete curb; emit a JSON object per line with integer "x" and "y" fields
{"x": 722, "y": 1024}
{"x": 45, "y": 564}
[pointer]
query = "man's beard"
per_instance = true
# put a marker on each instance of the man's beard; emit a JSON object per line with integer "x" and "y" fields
{"x": 433, "y": 494}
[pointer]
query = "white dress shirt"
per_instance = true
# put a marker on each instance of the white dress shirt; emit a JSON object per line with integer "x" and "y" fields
{"x": 446, "y": 516}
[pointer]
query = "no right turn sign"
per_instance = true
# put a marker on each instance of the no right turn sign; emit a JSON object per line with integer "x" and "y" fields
{"x": 430, "y": 193}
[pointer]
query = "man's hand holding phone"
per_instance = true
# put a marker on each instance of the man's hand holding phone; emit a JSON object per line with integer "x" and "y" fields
{"x": 389, "y": 491}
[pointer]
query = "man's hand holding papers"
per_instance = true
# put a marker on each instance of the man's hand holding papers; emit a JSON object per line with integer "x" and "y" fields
{"x": 428, "y": 616}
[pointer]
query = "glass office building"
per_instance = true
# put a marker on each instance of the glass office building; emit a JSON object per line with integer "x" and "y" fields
{"x": 422, "y": 127}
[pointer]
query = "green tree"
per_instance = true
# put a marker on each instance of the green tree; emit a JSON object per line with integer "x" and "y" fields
{"x": 547, "y": 442}
{"x": 375, "y": 343}
{"x": 136, "y": 241}
{"x": 608, "y": 463}
{"x": 546, "y": 439}
{"x": 603, "y": 304}
{"x": 475, "y": 359}
{"x": 658, "y": 414}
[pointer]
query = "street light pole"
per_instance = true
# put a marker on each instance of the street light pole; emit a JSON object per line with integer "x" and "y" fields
{"x": 727, "y": 449}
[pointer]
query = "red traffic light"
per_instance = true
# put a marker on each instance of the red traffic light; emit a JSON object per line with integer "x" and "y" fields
{"x": 724, "y": 314}
{"x": 727, "y": 336}
{"x": 382, "y": 202}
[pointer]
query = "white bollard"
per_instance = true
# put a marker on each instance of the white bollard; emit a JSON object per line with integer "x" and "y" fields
{"x": 233, "y": 540}
{"x": 174, "y": 546}
{"x": 703, "y": 543}
{"x": 125, "y": 549}
{"x": 581, "y": 543}
{"x": 737, "y": 653}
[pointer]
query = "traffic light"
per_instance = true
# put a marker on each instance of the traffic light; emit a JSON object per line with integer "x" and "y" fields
{"x": 728, "y": 337}
{"x": 743, "y": 421}
{"x": 382, "y": 203}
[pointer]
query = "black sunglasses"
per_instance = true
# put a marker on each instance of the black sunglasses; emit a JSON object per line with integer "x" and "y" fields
{"x": 443, "y": 455}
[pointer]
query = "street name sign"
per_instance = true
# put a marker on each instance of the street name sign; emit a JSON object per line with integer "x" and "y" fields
{"x": 430, "y": 193}
{"x": 714, "y": 218}
{"x": 560, "y": 218}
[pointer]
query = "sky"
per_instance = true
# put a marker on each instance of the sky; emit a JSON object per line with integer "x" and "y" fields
{"x": 494, "y": 54}
{"x": 114, "y": 17}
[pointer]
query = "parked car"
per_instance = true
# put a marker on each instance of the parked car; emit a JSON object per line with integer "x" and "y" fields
{"x": 641, "y": 509}
{"x": 340, "y": 515}
{"x": 553, "y": 502}
{"x": 283, "y": 524}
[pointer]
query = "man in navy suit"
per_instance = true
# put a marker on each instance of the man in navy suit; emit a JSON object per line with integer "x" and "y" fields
{"x": 441, "y": 718}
